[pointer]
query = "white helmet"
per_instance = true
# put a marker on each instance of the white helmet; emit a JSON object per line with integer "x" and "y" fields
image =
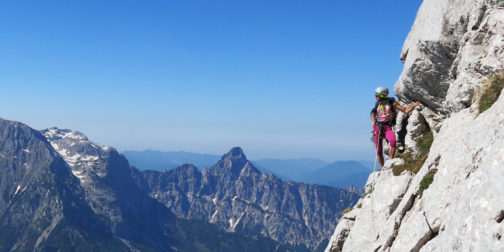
{"x": 382, "y": 91}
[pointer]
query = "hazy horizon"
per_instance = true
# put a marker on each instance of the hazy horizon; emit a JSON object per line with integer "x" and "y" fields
{"x": 250, "y": 158}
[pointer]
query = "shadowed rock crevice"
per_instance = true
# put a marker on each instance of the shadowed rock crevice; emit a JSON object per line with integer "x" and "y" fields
{"x": 500, "y": 216}
{"x": 407, "y": 207}
{"x": 401, "y": 134}
{"x": 428, "y": 236}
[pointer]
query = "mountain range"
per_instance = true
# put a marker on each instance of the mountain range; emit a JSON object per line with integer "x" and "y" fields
{"x": 236, "y": 196}
{"x": 61, "y": 192}
{"x": 341, "y": 174}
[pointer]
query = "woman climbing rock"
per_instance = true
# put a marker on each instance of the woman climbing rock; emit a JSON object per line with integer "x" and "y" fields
{"x": 383, "y": 118}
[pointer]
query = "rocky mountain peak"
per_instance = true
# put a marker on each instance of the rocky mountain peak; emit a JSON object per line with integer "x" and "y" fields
{"x": 84, "y": 157}
{"x": 56, "y": 133}
{"x": 18, "y": 138}
{"x": 41, "y": 203}
{"x": 69, "y": 142}
{"x": 233, "y": 163}
{"x": 236, "y": 153}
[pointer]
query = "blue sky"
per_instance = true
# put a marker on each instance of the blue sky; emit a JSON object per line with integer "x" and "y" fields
{"x": 281, "y": 79}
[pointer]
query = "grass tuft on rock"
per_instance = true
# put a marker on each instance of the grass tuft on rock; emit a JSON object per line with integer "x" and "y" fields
{"x": 414, "y": 163}
{"x": 424, "y": 143}
{"x": 490, "y": 92}
{"x": 347, "y": 211}
{"x": 426, "y": 182}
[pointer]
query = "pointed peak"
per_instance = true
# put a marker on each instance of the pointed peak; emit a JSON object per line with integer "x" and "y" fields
{"x": 235, "y": 153}
{"x": 234, "y": 162}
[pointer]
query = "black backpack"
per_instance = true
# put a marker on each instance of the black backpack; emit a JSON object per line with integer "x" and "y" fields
{"x": 391, "y": 101}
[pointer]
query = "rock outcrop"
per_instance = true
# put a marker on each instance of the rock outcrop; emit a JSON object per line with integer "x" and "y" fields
{"x": 449, "y": 52}
{"x": 453, "y": 47}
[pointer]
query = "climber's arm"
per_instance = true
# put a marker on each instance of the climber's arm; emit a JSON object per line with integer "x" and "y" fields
{"x": 406, "y": 110}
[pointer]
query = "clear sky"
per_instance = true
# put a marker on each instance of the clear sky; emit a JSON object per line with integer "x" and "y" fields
{"x": 281, "y": 79}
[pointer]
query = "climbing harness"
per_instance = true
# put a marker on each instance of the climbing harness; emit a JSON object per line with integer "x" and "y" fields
{"x": 392, "y": 112}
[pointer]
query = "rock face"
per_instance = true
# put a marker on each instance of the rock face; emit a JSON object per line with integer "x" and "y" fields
{"x": 452, "y": 48}
{"x": 449, "y": 52}
{"x": 234, "y": 195}
{"x": 460, "y": 211}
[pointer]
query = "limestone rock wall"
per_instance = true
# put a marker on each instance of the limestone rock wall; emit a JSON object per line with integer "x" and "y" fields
{"x": 462, "y": 210}
{"x": 453, "y": 47}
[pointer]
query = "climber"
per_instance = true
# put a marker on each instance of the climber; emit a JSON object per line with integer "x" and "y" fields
{"x": 383, "y": 118}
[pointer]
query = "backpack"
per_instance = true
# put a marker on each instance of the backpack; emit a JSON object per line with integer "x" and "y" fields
{"x": 391, "y": 101}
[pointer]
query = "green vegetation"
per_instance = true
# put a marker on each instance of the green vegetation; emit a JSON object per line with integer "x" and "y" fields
{"x": 424, "y": 143}
{"x": 347, "y": 211}
{"x": 414, "y": 163}
{"x": 425, "y": 183}
{"x": 490, "y": 92}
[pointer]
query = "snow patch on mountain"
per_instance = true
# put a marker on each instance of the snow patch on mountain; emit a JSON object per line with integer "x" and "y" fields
{"x": 17, "y": 189}
{"x": 85, "y": 158}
